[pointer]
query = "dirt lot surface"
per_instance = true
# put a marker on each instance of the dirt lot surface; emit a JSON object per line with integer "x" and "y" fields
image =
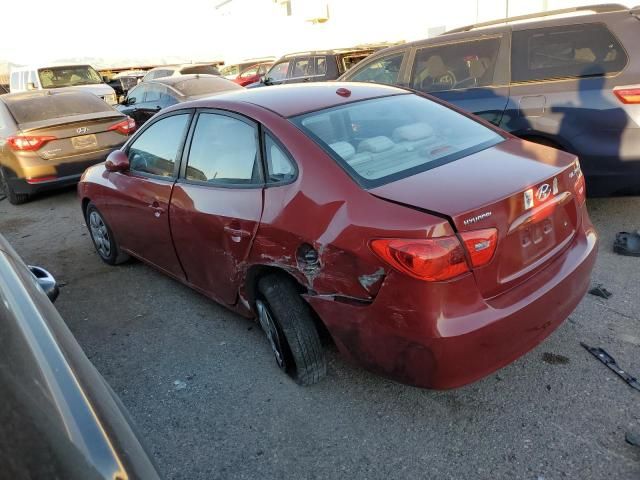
{"x": 203, "y": 388}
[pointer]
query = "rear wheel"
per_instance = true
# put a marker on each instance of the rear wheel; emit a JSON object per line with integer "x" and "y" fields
{"x": 288, "y": 323}
{"x": 6, "y": 189}
{"x": 103, "y": 238}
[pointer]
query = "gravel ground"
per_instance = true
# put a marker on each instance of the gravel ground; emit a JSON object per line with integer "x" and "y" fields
{"x": 203, "y": 388}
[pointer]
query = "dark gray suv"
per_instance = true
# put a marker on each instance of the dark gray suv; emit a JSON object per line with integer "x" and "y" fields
{"x": 567, "y": 78}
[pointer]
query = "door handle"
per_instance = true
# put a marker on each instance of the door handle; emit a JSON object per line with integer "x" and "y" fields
{"x": 158, "y": 210}
{"x": 237, "y": 232}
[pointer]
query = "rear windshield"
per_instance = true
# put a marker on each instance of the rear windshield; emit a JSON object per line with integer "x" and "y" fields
{"x": 56, "y": 77}
{"x": 36, "y": 108}
{"x": 204, "y": 85}
{"x": 202, "y": 69}
{"x": 382, "y": 140}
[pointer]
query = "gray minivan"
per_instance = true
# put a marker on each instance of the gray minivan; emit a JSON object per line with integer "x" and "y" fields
{"x": 567, "y": 78}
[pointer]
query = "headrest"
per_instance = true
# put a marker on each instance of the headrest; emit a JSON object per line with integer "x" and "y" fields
{"x": 412, "y": 132}
{"x": 344, "y": 149}
{"x": 375, "y": 144}
{"x": 436, "y": 67}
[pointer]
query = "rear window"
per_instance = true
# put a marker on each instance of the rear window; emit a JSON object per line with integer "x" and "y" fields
{"x": 568, "y": 51}
{"x": 382, "y": 140}
{"x": 201, "y": 69}
{"x": 27, "y": 109}
{"x": 204, "y": 85}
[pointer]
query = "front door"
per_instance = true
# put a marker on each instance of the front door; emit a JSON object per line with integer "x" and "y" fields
{"x": 217, "y": 203}
{"x": 470, "y": 74}
{"x": 139, "y": 210}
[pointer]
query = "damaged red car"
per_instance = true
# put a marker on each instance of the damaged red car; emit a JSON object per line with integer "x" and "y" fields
{"x": 432, "y": 248}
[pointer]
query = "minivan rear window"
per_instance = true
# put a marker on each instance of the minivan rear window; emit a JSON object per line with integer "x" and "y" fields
{"x": 37, "y": 107}
{"x": 569, "y": 51}
{"x": 381, "y": 140}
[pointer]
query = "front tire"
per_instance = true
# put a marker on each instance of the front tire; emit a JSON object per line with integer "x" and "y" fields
{"x": 102, "y": 237}
{"x": 14, "y": 198}
{"x": 288, "y": 322}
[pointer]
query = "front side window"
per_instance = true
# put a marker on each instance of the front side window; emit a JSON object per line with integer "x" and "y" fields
{"x": 153, "y": 93}
{"x": 224, "y": 150}
{"x": 279, "y": 165}
{"x": 56, "y": 77}
{"x": 156, "y": 150}
{"x": 137, "y": 94}
{"x": 384, "y": 70}
{"x": 384, "y": 139}
{"x": 300, "y": 68}
{"x": 570, "y": 51}
{"x": 278, "y": 71}
{"x": 455, "y": 66}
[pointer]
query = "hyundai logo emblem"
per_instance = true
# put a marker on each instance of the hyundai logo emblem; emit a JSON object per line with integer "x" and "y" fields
{"x": 82, "y": 130}
{"x": 543, "y": 192}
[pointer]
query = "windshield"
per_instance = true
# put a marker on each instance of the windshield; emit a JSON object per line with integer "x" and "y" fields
{"x": 38, "y": 107}
{"x": 384, "y": 139}
{"x": 56, "y": 77}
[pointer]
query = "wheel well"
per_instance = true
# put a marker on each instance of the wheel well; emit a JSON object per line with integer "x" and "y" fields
{"x": 257, "y": 272}
{"x": 85, "y": 204}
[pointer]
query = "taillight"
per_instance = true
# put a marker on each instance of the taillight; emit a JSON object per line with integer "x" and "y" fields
{"x": 481, "y": 245}
{"x": 28, "y": 143}
{"x": 432, "y": 259}
{"x": 580, "y": 186}
{"x": 124, "y": 127}
{"x": 628, "y": 94}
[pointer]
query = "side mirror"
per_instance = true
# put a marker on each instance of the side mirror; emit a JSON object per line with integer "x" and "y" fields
{"x": 117, "y": 161}
{"x": 46, "y": 281}
{"x": 129, "y": 101}
{"x": 31, "y": 86}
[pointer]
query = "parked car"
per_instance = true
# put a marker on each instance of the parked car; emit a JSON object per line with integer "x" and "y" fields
{"x": 177, "y": 70}
{"x": 434, "y": 248}
{"x": 317, "y": 66}
{"x": 125, "y": 81}
{"x": 566, "y": 78}
{"x": 60, "y": 418}
{"x": 148, "y": 98}
{"x": 245, "y": 76}
{"x": 82, "y": 77}
{"x": 49, "y": 137}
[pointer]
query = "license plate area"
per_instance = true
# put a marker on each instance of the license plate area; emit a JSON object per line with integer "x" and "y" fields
{"x": 537, "y": 239}
{"x": 84, "y": 142}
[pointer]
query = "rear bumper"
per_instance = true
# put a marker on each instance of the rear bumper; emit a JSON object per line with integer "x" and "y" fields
{"x": 20, "y": 185}
{"x": 445, "y": 335}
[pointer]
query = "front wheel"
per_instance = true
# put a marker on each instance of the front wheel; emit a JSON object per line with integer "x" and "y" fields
{"x": 103, "y": 238}
{"x": 288, "y": 323}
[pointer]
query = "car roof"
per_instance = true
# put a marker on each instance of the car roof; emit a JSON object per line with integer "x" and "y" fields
{"x": 171, "y": 81}
{"x": 296, "y": 99}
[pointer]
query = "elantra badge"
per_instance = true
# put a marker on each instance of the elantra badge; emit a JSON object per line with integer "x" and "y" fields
{"x": 543, "y": 192}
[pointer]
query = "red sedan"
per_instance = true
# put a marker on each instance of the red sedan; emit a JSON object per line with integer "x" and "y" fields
{"x": 432, "y": 247}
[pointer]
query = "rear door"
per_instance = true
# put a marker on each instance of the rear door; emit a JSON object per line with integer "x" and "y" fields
{"x": 471, "y": 74}
{"x": 217, "y": 202}
{"x": 139, "y": 205}
{"x": 301, "y": 70}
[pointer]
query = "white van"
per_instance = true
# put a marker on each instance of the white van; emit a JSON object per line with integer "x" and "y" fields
{"x": 77, "y": 76}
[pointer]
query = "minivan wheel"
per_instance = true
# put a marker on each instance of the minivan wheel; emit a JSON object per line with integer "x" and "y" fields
{"x": 103, "y": 238}
{"x": 288, "y": 323}
{"x": 14, "y": 198}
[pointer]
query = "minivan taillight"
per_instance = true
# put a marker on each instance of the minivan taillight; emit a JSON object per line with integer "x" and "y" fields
{"x": 431, "y": 259}
{"x": 28, "y": 143}
{"x": 628, "y": 95}
{"x": 124, "y": 127}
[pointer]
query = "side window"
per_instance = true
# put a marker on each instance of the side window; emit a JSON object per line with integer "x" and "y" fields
{"x": 456, "y": 65}
{"x": 384, "y": 70}
{"x": 249, "y": 72}
{"x": 280, "y": 166}
{"x": 156, "y": 149}
{"x": 153, "y": 94}
{"x": 278, "y": 71}
{"x": 224, "y": 150}
{"x": 570, "y": 51}
{"x": 300, "y": 68}
{"x": 138, "y": 93}
{"x": 321, "y": 65}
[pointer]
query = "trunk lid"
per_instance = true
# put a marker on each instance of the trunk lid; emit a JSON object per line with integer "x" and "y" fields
{"x": 77, "y": 135}
{"x": 524, "y": 190}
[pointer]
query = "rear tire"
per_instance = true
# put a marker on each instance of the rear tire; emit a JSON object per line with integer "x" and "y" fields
{"x": 102, "y": 237}
{"x": 295, "y": 340}
{"x": 13, "y": 197}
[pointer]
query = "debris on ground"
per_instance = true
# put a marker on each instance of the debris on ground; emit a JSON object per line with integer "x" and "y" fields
{"x": 610, "y": 362}
{"x": 600, "y": 291}
{"x": 627, "y": 244}
{"x": 632, "y": 438}
{"x": 179, "y": 385}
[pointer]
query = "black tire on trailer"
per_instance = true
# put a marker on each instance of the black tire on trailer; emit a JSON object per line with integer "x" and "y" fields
{"x": 288, "y": 323}
{"x": 102, "y": 237}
